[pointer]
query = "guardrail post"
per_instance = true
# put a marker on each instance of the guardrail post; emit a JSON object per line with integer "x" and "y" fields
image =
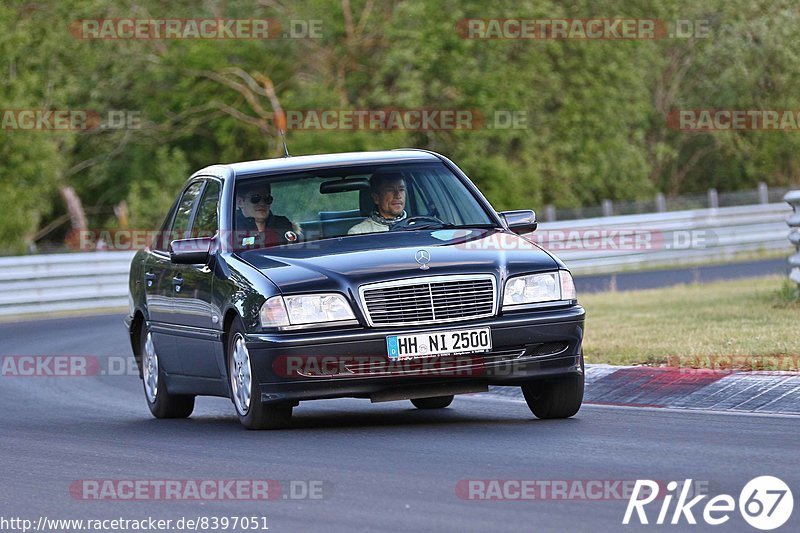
{"x": 661, "y": 203}
{"x": 793, "y": 199}
{"x": 713, "y": 199}
{"x": 550, "y": 213}
{"x": 763, "y": 193}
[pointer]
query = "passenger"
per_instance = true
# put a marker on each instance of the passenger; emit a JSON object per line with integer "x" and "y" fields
{"x": 254, "y": 217}
{"x": 388, "y": 191}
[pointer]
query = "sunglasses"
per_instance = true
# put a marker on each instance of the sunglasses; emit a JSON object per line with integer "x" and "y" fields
{"x": 256, "y": 199}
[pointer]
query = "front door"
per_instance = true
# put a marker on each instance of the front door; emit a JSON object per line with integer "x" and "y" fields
{"x": 160, "y": 280}
{"x": 197, "y": 333}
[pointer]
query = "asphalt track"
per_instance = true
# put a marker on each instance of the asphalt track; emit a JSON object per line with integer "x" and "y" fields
{"x": 382, "y": 467}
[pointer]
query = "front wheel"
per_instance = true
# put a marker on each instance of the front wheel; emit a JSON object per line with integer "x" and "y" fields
{"x": 162, "y": 404}
{"x": 245, "y": 391}
{"x": 437, "y": 402}
{"x": 555, "y": 399}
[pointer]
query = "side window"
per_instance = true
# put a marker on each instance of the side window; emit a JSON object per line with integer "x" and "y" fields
{"x": 205, "y": 222}
{"x": 184, "y": 212}
{"x": 160, "y": 241}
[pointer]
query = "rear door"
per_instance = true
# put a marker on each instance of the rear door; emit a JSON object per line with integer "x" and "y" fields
{"x": 155, "y": 264}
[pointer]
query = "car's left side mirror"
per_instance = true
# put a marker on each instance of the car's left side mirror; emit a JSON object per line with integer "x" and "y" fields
{"x": 520, "y": 221}
{"x": 190, "y": 251}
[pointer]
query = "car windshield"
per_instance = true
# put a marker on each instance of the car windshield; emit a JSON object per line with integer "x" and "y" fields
{"x": 342, "y": 202}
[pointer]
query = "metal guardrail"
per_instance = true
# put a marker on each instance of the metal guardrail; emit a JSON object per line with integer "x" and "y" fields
{"x": 671, "y": 238}
{"x": 64, "y": 282}
{"x": 793, "y": 199}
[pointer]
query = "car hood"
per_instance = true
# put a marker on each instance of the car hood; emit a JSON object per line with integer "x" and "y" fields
{"x": 343, "y": 264}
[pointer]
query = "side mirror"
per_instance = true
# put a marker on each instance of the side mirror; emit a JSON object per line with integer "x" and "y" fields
{"x": 190, "y": 251}
{"x": 521, "y": 221}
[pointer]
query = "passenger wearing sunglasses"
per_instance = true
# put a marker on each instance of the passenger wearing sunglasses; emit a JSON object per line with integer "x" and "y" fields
{"x": 254, "y": 217}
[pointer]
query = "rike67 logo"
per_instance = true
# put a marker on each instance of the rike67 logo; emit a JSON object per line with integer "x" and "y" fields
{"x": 765, "y": 503}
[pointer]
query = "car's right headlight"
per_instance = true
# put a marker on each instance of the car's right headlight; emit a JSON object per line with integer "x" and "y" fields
{"x": 539, "y": 288}
{"x": 304, "y": 310}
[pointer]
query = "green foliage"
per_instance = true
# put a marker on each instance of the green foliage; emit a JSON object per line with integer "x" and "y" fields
{"x": 29, "y": 164}
{"x": 595, "y": 111}
{"x": 155, "y": 189}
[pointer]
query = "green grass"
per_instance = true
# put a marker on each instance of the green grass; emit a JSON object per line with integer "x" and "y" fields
{"x": 750, "y": 324}
{"x": 789, "y": 293}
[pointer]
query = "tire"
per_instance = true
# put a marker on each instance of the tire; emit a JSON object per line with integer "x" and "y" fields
{"x": 245, "y": 389}
{"x": 437, "y": 402}
{"x": 162, "y": 404}
{"x": 555, "y": 399}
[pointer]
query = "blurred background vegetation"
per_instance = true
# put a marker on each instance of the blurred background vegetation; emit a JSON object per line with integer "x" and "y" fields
{"x": 596, "y": 110}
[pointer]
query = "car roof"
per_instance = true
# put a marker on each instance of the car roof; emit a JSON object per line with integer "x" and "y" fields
{"x": 307, "y": 162}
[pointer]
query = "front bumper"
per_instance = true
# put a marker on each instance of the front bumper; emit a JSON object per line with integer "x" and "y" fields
{"x": 526, "y": 345}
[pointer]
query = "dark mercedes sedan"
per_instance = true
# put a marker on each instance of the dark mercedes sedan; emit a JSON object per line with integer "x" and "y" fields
{"x": 380, "y": 275}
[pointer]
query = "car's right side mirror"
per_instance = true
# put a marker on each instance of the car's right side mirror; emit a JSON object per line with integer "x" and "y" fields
{"x": 520, "y": 221}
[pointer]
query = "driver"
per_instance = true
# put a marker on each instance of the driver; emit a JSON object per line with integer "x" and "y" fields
{"x": 388, "y": 191}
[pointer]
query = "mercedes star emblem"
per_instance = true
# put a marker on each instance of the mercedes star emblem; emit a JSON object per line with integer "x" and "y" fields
{"x": 423, "y": 257}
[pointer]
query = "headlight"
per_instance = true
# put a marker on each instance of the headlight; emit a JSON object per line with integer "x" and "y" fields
{"x": 537, "y": 288}
{"x": 304, "y": 309}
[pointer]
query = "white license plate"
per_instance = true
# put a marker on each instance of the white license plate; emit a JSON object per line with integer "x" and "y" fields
{"x": 439, "y": 343}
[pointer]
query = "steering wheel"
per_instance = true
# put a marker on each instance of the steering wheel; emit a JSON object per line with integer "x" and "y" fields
{"x": 420, "y": 221}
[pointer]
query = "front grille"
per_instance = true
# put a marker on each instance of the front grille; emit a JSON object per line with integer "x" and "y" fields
{"x": 425, "y": 300}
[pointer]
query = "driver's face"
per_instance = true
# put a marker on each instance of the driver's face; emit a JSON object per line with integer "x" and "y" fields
{"x": 391, "y": 198}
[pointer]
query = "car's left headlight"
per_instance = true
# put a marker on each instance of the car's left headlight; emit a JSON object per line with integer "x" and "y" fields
{"x": 539, "y": 288}
{"x": 305, "y": 309}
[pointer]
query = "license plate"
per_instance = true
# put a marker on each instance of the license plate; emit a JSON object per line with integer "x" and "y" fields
{"x": 439, "y": 343}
